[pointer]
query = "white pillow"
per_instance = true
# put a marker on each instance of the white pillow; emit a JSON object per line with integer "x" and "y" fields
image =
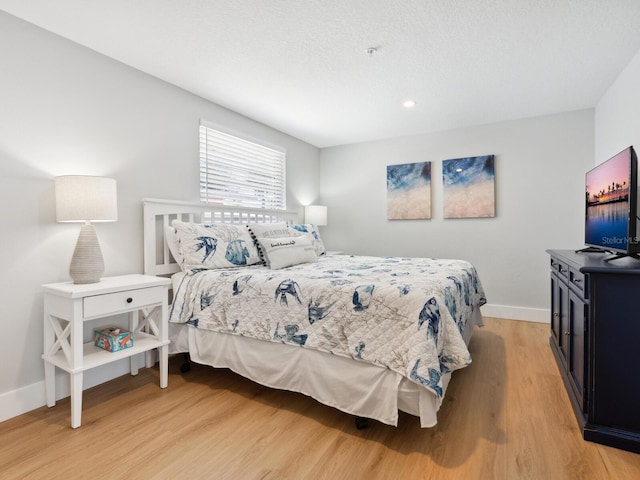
{"x": 215, "y": 246}
{"x": 287, "y": 251}
{"x": 312, "y": 231}
{"x": 270, "y": 230}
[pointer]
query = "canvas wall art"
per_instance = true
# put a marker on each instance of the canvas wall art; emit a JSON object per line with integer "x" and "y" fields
{"x": 469, "y": 187}
{"x": 409, "y": 191}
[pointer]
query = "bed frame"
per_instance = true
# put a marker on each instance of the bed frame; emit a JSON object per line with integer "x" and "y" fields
{"x": 160, "y": 213}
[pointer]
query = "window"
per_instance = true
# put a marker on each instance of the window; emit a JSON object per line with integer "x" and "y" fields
{"x": 235, "y": 171}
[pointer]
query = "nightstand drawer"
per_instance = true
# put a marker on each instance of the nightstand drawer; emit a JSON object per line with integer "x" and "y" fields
{"x": 112, "y": 303}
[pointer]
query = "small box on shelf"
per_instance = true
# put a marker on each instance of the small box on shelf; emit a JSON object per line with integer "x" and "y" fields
{"x": 113, "y": 339}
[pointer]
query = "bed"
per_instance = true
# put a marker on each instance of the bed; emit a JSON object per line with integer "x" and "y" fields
{"x": 366, "y": 335}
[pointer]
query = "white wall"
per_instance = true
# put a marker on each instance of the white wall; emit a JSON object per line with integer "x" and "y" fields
{"x": 65, "y": 109}
{"x": 617, "y": 117}
{"x": 540, "y": 165}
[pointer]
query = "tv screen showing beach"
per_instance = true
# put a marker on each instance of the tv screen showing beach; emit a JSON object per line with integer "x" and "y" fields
{"x": 607, "y": 203}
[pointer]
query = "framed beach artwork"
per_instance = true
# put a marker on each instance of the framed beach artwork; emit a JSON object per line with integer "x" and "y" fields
{"x": 469, "y": 187}
{"x": 409, "y": 191}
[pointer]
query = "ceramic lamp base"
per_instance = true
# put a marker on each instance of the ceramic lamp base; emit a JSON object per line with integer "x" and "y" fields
{"x": 87, "y": 265}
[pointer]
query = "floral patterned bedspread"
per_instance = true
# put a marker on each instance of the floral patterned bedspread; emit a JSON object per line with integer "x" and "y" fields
{"x": 405, "y": 314}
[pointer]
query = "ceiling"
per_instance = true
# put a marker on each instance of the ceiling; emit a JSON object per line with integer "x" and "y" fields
{"x": 302, "y": 66}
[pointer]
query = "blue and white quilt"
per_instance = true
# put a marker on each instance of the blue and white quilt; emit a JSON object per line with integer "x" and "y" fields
{"x": 405, "y": 314}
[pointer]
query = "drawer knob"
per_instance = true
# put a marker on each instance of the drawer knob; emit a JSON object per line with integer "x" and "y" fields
{"x": 577, "y": 280}
{"x": 567, "y": 333}
{"x": 129, "y": 300}
{"x": 556, "y": 314}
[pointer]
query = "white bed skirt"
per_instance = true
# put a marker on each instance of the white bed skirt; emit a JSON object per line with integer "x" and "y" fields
{"x": 357, "y": 388}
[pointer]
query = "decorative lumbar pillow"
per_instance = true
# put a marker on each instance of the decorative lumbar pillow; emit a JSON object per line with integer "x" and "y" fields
{"x": 312, "y": 230}
{"x": 214, "y": 246}
{"x": 287, "y": 251}
{"x": 270, "y": 230}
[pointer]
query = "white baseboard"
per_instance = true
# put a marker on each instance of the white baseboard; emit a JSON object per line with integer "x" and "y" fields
{"x": 540, "y": 315}
{"x": 30, "y": 397}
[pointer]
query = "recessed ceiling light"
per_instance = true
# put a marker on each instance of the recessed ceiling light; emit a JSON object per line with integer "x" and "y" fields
{"x": 409, "y": 103}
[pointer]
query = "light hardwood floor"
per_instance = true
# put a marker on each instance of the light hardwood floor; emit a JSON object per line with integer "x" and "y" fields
{"x": 507, "y": 416}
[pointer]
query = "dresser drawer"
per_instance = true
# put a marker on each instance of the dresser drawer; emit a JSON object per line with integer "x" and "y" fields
{"x": 560, "y": 267}
{"x": 577, "y": 281}
{"x": 112, "y": 303}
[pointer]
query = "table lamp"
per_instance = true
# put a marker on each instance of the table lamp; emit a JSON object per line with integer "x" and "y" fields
{"x": 81, "y": 198}
{"x": 315, "y": 214}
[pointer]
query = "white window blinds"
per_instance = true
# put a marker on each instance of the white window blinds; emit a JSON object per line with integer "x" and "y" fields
{"x": 235, "y": 171}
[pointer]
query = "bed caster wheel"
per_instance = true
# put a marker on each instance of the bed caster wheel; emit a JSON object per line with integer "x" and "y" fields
{"x": 362, "y": 423}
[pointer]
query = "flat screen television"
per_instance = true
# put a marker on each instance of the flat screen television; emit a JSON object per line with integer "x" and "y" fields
{"x": 611, "y": 205}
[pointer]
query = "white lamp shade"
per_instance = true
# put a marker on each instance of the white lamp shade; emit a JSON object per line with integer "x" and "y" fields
{"x": 81, "y": 198}
{"x": 315, "y": 214}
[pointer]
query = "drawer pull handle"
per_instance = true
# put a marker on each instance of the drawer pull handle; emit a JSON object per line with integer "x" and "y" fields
{"x": 129, "y": 300}
{"x": 556, "y": 314}
{"x": 563, "y": 270}
{"x": 576, "y": 280}
{"x": 567, "y": 333}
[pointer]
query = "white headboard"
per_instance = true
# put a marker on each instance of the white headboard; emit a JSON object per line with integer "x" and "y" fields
{"x": 160, "y": 213}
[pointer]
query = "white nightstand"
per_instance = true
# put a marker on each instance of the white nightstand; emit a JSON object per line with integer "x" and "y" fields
{"x": 67, "y": 306}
